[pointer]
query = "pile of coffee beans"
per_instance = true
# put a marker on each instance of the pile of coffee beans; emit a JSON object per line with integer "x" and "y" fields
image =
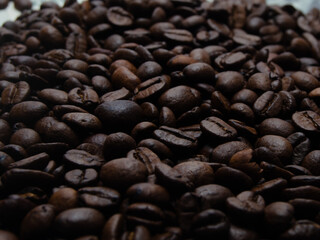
{"x": 160, "y": 119}
{"x": 20, "y": 5}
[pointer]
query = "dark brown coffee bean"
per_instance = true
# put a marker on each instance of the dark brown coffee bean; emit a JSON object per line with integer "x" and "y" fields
{"x": 311, "y": 162}
{"x": 123, "y": 172}
{"x": 268, "y": 104}
{"x": 217, "y": 128}
{"x": 119, "y": 114}
{"x": 302, "y": 228}
{"x": 25, "y": 137}
{"x": 278, "y": 216}
{"x": 143, "y": 130}
{"x": 224, "y": 152}
{"x": 233, "y": 179}
{"x": 28, "y": 111}
{"x": 119, "y": 17}
{"x": 37, "y": 162}
{"x": 118, "y": 145}
{"x": 148, "y": 192}
{"x": 199, "y": 173}
{"x": 157, "y": 147}
{"x": 64, "y": 198}
{"x": 152, "y": 88}
{"x": 167, "y": 117}
{"x": 308, "y": 121}
{"x": 51, "y": 37}
{"x": 180, "y": 99}
{"x": 79, "y": 221}
{"x": 210, "y": 223}
{"x": 37, "y": 222}
{"x": 52, "y": 130}
{"x": 305, "y": 81}
{"x": 171, "y": 178}
{"x": 5, "y": 131}
{"x": 5, "y": 162}
{"x": 82, "y": 121}
{"x": 145, "y": 214}
{"x": 15, "y": 93}
{"x": 176, "y": 139}
{"x": 82, "y": 159}
{"x": 86, "y": 98}
{"x": 279, "y": 145}
{"x": 276, "y": 126}
{"x": 80, "y": 178}
{"x": 146, "y": 156}
{"x": 247, "y": 208}
{"x": 18, "y": 178}
{"x": 53, "y": 96}
{"x": 178, "y": 36}
{"x": 199, "y": 72}
{"x": 101, "y": 198}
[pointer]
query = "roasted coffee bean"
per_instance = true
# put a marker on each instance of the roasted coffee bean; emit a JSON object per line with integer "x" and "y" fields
{"x": 276, "y": 126}
{"x": 278, "y": 216}
{"x": 63, "y": 199}
{"x": 310, "y": 162}
{"x": 119, "y": 114}
{"x": 37, "y": 222}
{"x": 302, "y": 228}
{"x": 279, "y": 145}
{"x": 210, "y": 223}
{"x": 148, "y": 192}
{"x": 52, "y": 130}
{"x": 224, "y": 152}
{"x": 119, "y": 17}
{"x": 123, "y": 172}
{"x": 79, "y": 221}
{"x": 269, "y": 104}
{"x": 180, "y": 99}
{"x": 102, "y": 198}
{"x": 80, "y": 178}
{"x": 308, "y": 121}
{"x": 118, "y": 145}
{"x": 28, "y": 111}
{"x": 145, "y": 214}
{"x": 176, "y": 139}
{"x": 15, "y": 93}
{"x": 82, "y": 121}
{"x": 217, "y": 128}
{"x": 146, "y": 156}
{"x": 151, "y": 88}
{"x": 213, "y": 196}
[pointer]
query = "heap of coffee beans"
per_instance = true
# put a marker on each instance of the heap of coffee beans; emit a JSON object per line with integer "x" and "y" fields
{"x": 20, "y": 5}
{"x": 160, "y": 119}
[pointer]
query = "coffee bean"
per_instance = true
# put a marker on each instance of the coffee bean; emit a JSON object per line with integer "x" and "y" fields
{"x": 217, "y": 128}
{"x": 211, "y": 223}
{"x": 145, "y": 214}
{"x": 123, "y": 172}
{"x": 213, "y": 196}
{"x": 102, "y": 198}
{"x": 268, "y": 104}
{"x": 278, "y": 216}
{"x": 80, "y": 178}
{"x": 302, "y": 228}
{"x": 115, "y": 115}
{"x": 176, "y": 139}
{"x": 37, "y": 222}
{"x": 15, "y": 93}
{"x": 279, "y": 145}
{"x": 276, "y": 126}
{"x": 28, "y": 111}
{"x": 119, "y": 17}
{"x": 79, "y": 221}
{"x": 307, "y": 121}
{"x": 310, "y": 162}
